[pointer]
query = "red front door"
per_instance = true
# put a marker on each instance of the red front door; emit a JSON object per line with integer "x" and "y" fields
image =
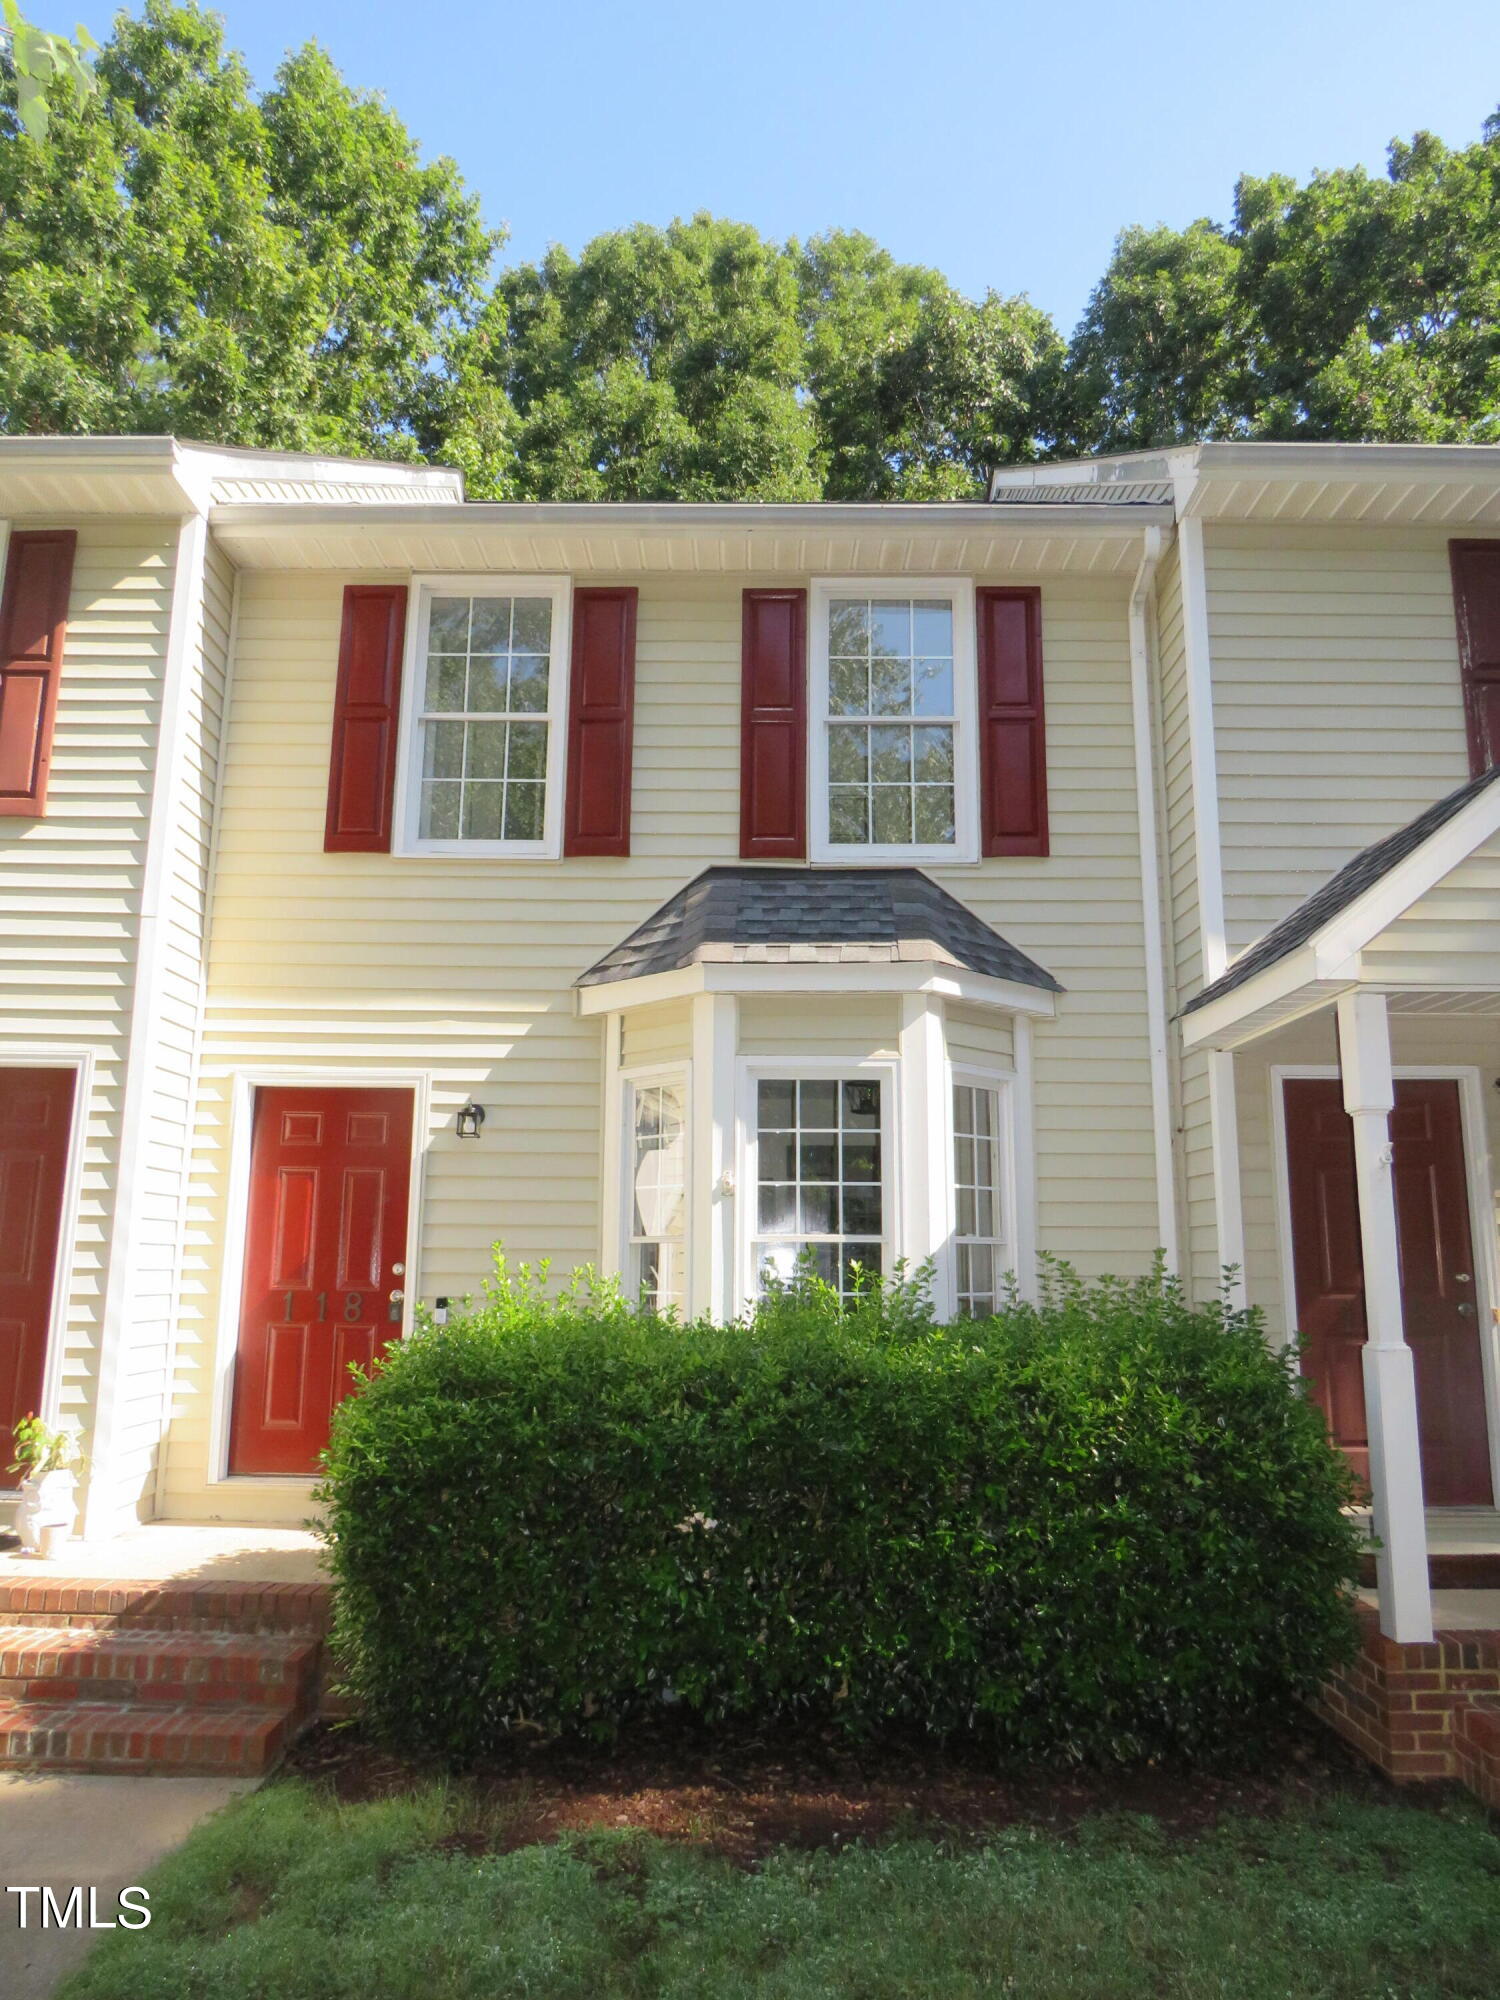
{"x": 1439, "y": 1292}
{"x": 330, "y": 1171}
{"x": 36, "y": 1118}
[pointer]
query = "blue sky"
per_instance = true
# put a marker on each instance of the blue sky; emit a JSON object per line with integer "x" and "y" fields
{"x": 1006, "y": 144}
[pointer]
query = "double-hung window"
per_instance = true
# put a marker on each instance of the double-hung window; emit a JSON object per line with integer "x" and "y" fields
{"x": 487, "y": 688}
{"x": 979, "y": 1245}
{"x": 893, "y": 755}
{"x": 658, "y": 1192}
{"x": 820, "y": 1177}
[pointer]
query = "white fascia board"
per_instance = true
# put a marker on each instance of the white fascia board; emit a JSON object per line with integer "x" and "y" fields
{"x": 912, "y": 976}
{"x": 1222, "y": 1024}
{"x": 1352, "y": 929}
{"x": 974, "y": 517}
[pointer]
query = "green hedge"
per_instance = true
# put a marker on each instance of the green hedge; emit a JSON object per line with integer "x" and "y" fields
{"x": 1107, "y": 1526}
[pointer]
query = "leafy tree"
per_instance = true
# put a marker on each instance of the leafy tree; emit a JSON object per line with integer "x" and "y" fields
{"x": 661, "y": 363}
{"x": 180, "y": 257}
{"x": 1357, "y": 306}
{"x": 36, "y": 58}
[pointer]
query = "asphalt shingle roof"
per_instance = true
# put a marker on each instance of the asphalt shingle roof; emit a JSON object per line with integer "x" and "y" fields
{"x": 1336, "y": 894}
{"x": 848, "y": 914}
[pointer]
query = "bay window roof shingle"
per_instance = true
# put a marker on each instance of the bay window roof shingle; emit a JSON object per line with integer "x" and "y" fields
{"x": 734, "y": 915}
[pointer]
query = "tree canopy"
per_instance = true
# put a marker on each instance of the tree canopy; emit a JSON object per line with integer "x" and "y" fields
{"x": 178, "y": 253}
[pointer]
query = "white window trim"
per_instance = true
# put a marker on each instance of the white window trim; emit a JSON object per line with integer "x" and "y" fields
{"x": 413, "y": 673}
{"x": 1007, "y": 1255}
{"x": 630, "y": 1080}
{"x": 965, "y": 847}
{"x": 795, "y": 1068}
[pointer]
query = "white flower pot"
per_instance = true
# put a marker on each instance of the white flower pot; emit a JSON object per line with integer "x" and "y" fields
{"x": 47, "y": 1512}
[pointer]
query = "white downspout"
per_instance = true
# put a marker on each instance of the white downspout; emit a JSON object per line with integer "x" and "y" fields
{"x": 1152, "y": 544}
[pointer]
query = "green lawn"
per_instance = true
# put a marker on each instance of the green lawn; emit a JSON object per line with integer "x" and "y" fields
{"x": 289, "y": 1896}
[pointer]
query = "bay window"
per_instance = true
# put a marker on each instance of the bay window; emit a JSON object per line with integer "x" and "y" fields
{"x": 819, "y": 1179}
{"x": 979, "y": 1249}
{"x": 657, "y": 1275}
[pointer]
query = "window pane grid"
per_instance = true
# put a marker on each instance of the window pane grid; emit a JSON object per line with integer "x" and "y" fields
{"x": 819, "y": 1178}
{"x": 485, "y": 719}
{"x": 658, "y": 1214}
{"x": 978, "y": 1239}
{"x": 891, "y": 724}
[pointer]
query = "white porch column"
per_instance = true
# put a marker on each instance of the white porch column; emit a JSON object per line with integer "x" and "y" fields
{"x": 926, "y": 1145}
{"x": 1390, "y": 1382}
{"x": 711, "y": 1203}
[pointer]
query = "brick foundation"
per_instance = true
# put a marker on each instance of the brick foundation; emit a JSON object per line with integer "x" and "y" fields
{"x": 1422, "y": 1712}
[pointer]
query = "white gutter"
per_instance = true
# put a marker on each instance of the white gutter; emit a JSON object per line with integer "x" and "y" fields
{"x": 1152, "y": 544}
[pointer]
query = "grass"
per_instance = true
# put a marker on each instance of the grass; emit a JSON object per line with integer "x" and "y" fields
{"x": 289, "y": 1895}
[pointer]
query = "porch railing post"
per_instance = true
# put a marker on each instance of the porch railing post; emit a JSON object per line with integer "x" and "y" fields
{"x": 1390, "y": 1381}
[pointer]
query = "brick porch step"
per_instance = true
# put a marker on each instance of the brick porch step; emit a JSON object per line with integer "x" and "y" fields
{"x": 166, "y": 1668}
{"x": 134, "y": 1737}
{"x": 180, "y": 1604}
{"x": 1469, "y": 1569}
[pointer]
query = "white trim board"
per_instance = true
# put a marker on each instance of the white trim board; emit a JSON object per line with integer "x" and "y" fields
{"x": 1478, "y": 1172}
{"x": 243, "y": 1084}
{"x": 939, "y": 978}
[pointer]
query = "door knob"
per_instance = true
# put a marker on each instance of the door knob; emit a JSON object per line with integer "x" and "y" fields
{"x": 1467, "y": 1310}
{"x": 397, "y": 1297}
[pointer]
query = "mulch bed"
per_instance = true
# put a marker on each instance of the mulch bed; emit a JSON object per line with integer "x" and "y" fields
{"x": 745, "y": 1796}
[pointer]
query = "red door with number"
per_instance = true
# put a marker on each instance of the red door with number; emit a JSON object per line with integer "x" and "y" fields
{"x": 330, "y": 1172}
{"x": 36, "y": 1118}
{"x": 1439, "y": 1289}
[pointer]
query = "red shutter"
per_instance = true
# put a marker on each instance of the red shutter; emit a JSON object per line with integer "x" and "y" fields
{"x": 1476, "y": 600}
{"x": 33, "y": 626}
{"x": 773, "y": 726}
{"x": 601, "y": 717}
{"x": 1012, "y": 739}
{"x": 366, "y": 710}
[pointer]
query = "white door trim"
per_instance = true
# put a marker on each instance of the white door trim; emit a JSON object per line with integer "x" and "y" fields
{"x": 243, "y": 1085}
{"x": 1479, "y": 1176}
{"x": 43, "y": 1055}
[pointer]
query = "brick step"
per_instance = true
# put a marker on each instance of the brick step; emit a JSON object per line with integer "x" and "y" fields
{"x": 181, "y": 1604}
{"x": 132, "y": 1737}
{"x": 1477, "y": 1569}
{"x": 170, "y": 1669}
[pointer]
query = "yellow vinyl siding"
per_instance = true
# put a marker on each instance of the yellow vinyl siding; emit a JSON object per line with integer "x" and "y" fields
{"x": 860, "y": 1027}
{"x": 463, "y": 970}
{"x": 662, "y": 1034}
{"x": 70, "y": 883}
{"x": 980, "y": 1038}
{"x": 1338, "y": 708}
{"x": 1448, "y": 938}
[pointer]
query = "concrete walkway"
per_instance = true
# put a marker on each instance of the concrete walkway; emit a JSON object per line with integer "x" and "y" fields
{"x": 103, "y": 1833}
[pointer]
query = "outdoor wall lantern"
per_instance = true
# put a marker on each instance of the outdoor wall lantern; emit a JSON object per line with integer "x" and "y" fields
{"x": 470, "y": 1119}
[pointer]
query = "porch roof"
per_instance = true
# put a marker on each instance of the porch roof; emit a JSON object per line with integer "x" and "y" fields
{"x": 1315, "y": 952}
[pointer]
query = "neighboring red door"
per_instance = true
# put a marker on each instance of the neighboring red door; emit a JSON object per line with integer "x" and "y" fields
{"x": 1439, "y": 1292}
{"x": 330, "y": 1170}
{"x": 36, "y": 1118}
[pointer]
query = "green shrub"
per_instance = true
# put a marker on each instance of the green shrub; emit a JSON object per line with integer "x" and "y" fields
{"x": 1105, "y": 1526}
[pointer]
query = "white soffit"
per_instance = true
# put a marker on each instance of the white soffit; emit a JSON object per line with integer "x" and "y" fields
{"x": 810, "y": 540}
